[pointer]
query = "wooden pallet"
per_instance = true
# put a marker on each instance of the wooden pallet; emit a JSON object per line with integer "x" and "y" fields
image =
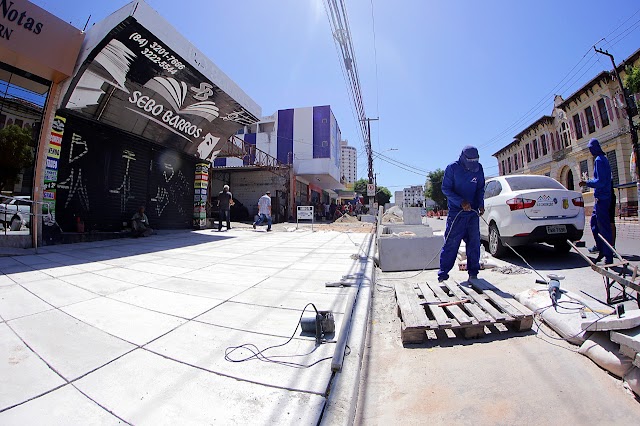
{"x": 419, "y": 310}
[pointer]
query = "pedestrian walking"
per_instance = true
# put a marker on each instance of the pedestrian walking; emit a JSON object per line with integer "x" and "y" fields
{"x": 601, "y": 182}
{"x": 264, "y": 211}
{"x": 225, "y": 201}
{"x": 463, "y": 185}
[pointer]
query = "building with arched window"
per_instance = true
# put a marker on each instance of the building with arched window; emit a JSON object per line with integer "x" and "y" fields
{"x": 556, "y": 145}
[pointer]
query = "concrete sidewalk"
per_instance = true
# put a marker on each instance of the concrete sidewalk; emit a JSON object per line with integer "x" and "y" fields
{"x": 136, "y": 330}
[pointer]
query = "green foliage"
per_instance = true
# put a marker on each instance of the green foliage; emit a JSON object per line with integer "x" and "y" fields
{"x": 632, "y": 80}
{"x": 15, "y": 153}
{"x": 434, "y": 188}
{"x": 360, "y": 186}
{"x": 383, "y": 195}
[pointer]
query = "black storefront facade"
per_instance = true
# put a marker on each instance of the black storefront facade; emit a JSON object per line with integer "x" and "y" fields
{"x": 138, "y": 125}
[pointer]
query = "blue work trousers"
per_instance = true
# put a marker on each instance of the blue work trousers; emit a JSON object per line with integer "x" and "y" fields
{"x": 464, "y": 226}
{"x": 601, "y": 224}
{"x": 261, "y": 218}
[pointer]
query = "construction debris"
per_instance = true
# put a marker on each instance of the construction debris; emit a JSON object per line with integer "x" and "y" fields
{"x": 393, "y": 215}
{"x": 512, "y": 270}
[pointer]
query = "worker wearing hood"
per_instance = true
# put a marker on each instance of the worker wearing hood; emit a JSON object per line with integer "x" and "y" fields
{"x": 463, "y": 185}
{"x": 601, "y": 182}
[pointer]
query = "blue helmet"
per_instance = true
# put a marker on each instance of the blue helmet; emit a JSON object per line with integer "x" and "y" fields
{"x": 470, "y": 158}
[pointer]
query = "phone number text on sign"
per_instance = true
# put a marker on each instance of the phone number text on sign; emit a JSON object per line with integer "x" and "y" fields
{"x": 158, "y": 54}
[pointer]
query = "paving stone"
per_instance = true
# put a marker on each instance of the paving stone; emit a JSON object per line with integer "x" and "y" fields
{"x": 131, "y": 323}
{"x": 61, "y": 271}
{"x": 630, "y": 338}
{"x": 127, "y": 275}
{"x": 154, "y": 390}
{"x": 97, "y": 283}
{"x": 24, "y": 274}
{"x": 630, "y": 319}
{"x": 168, "y": 302}
{"x": 17, "y": 302}
{"x": 23, "y": 374}
{"x": 70, "y": 346}
{"x": 58, "y": 293}
{"x": 204, "y": 345}
{"x": 292, "y": 300}
{"x": 212, "y": 290}
{"x": 64, "y": 406}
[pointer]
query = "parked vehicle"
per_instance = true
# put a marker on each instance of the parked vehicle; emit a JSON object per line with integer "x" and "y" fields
{"x": 15, "y": 211}
{"x": 524, "y": 209}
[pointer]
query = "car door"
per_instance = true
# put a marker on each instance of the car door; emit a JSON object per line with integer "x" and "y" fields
{"x": 489, "y": 190}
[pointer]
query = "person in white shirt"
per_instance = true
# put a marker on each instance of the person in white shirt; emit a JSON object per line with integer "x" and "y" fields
{"x": 264, "y": 211}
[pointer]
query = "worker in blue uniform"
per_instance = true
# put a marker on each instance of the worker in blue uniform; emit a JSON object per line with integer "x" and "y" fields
{"x": 601, "y": 182}
{"x": 463, "y": 185}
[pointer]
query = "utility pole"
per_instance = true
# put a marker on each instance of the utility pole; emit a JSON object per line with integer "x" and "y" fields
{"x": 369, "y": 155}
{"x": 632, "y": 127}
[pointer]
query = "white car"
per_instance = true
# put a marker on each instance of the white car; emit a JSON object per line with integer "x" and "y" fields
{"x": 15, "y": 211}
{"x": 523, "y": 209}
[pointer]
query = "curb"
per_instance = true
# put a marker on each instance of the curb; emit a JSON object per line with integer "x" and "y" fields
{"x": 340, "y": 408}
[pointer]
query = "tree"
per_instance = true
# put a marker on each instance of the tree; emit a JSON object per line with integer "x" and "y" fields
{"x": 383, "y": 195}
{"x": 434, "y": 188}
{"x": 360, "y": 186}
{"x": 632, "y": 80}
{"x": 16, "y": 153}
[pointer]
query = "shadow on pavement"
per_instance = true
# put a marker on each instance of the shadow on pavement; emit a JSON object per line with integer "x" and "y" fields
{"x": 450, "y": 338}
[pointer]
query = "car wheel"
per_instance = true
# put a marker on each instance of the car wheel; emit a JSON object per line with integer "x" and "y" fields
{"x": 562, "y": 247}
{"x": 495, "y": 244}
{"x": 16, "y": 223}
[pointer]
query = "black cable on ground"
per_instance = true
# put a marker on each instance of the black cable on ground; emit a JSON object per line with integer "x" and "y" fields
{"x": 258, "y": 354}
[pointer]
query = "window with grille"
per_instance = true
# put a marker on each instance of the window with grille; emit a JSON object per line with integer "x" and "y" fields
{"x": 578, "y": 126}
{"x": 535, "y": 148}
{"x": 591, "y": 123}
{"x": 604, "y": 114}
{"x": 543, "y": 142}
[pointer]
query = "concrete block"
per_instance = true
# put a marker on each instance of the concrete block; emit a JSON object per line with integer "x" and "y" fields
{"x": 369, "y": 218}
{"x": 630, "y": 338}
{"x": 412, "y": 215}
{"x": 409, "y": 253}
{"x": 630, "y": 319}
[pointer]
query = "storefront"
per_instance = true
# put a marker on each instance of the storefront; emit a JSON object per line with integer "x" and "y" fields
{"x": 139, "y": 122}
{"x": 38, "y": 52}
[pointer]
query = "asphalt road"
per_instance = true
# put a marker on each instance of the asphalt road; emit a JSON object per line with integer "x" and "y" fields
{"x": 504, "y": 377}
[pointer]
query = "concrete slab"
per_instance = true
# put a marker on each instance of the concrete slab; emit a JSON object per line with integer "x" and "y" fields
{"x": 205, "y": 345}
{"x": 61, "y": 271}
{"x": 154, "y": 390}
{"x": 24, "y": 375}
{"x": 62, "y": 406}
{"x": 294, "y": 284}
{"x": 89, "y": 266}
{"x": 97, "y": 284}
{"x": 24, "y": 274}
{"x": 127, "y": 275}
{"x": 629, "y": 338}
{"x": 6, "y": 262}
{"x": 167, "y": 302}
{"x": 154, "y": 268}
{"x": 16, "y": 302}
{"x": 5, "y": 280}
{"x": 69, "y": 346}
{"x": 292, "y": 300}
{"x": 58, "y": 293}
{"x": 117, "y": 319}
{"x": 412, "y": 215}
{"x": 31, "y": 260}
{"x": 630, "y": 319}
{"x": 212, "y": 290}
{"x": 261, "y": 319}
{"x": 409, "y": 253}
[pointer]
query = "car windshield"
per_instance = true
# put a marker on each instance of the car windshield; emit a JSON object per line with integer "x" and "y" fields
{"x": 519, "y": 183}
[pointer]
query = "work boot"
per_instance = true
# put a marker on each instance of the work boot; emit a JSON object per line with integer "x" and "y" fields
{"x": 599, "y": 258}
{"x": 254, "y": 226}
{"x": 594, "y": 249}
{"x": 473, "y": 276}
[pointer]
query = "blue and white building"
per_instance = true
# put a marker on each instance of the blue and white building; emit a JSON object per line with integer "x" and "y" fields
{"x": 307, "y": 138}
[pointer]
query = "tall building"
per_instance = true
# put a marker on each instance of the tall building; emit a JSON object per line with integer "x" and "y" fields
{"x": 413, "y": 196}
{"x": 348, "y": 163}
{"x": 555, "y": 145}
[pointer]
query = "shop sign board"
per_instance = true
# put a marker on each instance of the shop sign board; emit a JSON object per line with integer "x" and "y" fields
{"x": 133, "y": 81}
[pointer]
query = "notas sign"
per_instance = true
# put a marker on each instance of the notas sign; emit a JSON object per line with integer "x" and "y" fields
{"x": 16, "y": 19}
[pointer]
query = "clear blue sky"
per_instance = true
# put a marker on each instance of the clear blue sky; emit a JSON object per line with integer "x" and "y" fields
{"x": 449, "y": 73}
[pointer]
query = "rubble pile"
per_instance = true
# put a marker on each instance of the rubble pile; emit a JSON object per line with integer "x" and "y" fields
{"x": 393, "y": 215}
